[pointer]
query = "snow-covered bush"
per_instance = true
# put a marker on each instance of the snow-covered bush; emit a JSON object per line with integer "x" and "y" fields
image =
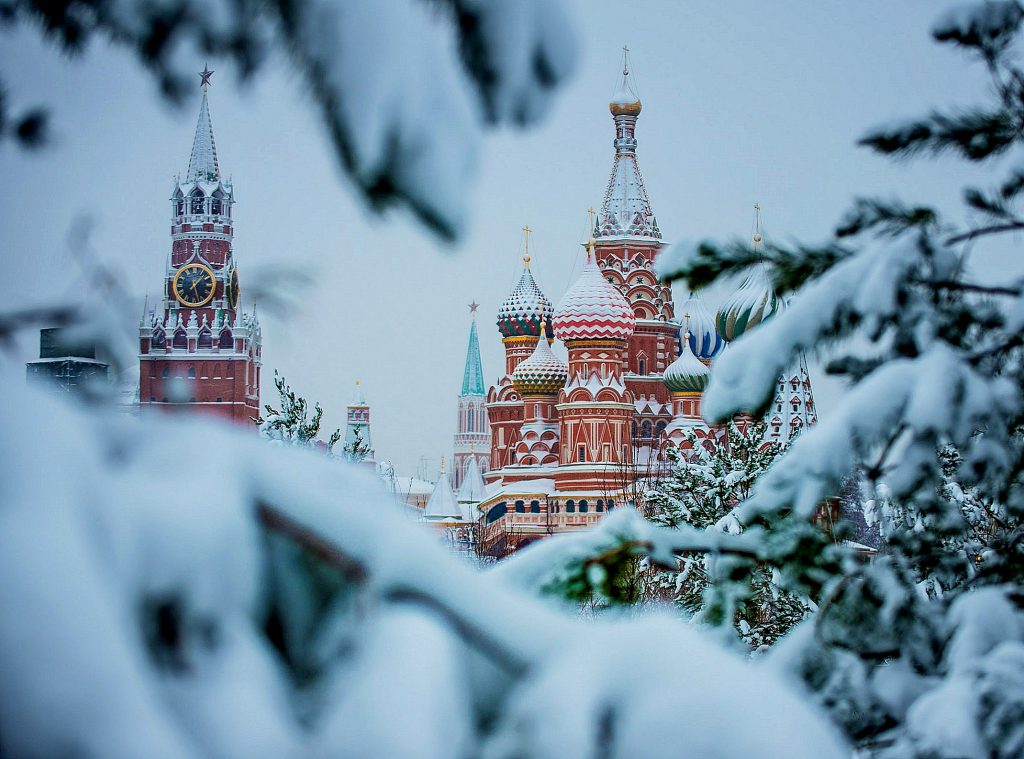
{"x": 701, "y": 490}
{"x": 279, "y": 604}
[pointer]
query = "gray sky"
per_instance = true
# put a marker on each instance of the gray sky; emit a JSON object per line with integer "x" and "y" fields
{"x": 743, "y": 102}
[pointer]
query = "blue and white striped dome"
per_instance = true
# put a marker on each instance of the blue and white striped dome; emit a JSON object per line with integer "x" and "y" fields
{"x": 705, "y": 342}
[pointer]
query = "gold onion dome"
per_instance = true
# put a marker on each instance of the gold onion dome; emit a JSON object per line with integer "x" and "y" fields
{"x": 687, "y": 374}
{"x": 625, "y": 103}
{"x": 543, "y": 373}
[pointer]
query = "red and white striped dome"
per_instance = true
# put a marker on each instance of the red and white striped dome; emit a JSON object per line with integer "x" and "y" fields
{"x": 593, "y": 309}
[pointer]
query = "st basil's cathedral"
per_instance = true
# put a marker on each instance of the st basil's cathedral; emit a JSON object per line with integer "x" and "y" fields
{"x": 567, "y": 441}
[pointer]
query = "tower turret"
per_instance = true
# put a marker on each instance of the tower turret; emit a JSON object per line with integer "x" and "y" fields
{"x": 627, "y": 241}
{"x": 198, "y": 347}
{"x": 595, "y": 410}
{"x": 357, "y": 427}
{"x": 522, "y": 319}
{"x": 473, "y": 433}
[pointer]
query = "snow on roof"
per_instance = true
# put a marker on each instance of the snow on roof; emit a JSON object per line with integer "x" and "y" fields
{"x": 442, "y": 505}
{"x": 472, "y": 488}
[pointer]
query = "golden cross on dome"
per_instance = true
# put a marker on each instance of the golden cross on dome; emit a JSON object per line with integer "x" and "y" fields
{"x": 205, "y": 75}
{"x": 591, "y": 213}
{"x": 527, "y": 230}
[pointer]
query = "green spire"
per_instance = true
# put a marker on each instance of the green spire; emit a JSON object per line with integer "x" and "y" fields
{"x": 473, "y": 377}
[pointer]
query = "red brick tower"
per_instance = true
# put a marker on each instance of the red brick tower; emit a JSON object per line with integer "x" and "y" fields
{"x": 521, "y": 318}
{"x": 595, "y": 408}
{"x": 199, "y": 350}
{"x": 627, "y": 241}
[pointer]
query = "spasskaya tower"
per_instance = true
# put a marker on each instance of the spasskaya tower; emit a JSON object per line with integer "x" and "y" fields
{"x": 200, "y": 350}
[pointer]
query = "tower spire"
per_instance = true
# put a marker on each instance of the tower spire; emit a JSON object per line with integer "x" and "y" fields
{"x": 202, "y": 164}
{"x": 473, "y": 374}
{"x": 626, "y": 210}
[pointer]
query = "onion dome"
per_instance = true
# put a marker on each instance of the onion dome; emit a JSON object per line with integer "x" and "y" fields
{"x": 704, "y": 340}
{"x": 625, "y": 102}
{"x": 687, "y": 374}
{"x": 752, "y": 304}
{"x": 543, "y": 373}
{"x": 593, "y": 309}
{"x": 523, "y": 312}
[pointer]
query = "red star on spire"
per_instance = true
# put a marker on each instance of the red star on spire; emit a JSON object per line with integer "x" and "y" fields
{"x": 205, "y": 75}
{"x": 473, "y": 307}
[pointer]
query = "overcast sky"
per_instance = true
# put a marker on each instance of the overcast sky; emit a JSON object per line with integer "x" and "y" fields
{"x": 743, "y": 102}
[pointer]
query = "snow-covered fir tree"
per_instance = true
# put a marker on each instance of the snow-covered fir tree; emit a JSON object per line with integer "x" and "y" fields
{"x": 701, "y": 490}
{"x": 356, "y": 449}
{"x": 292, "y": 424}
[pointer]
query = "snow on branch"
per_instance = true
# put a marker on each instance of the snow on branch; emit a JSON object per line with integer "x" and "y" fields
{"x": 280, "y": 604}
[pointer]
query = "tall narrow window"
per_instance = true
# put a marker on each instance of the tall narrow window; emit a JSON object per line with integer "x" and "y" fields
{"x": 643, "y": 366}
{"x": 471, "y": 419}
{"x": 581, "y": 453}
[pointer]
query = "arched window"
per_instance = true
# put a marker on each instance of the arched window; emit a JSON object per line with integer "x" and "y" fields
{"x": 180, "y": 339}
{"x": 643, "y": 366}
{"x": 584, "y": 506}
{"x": 471, "y": 417}
{"x": 646, "y": 428}
{"x": 166, "y": 372}
{"x": 661, "y": 427}
{"x": 191, "y": 372}
{"x": 226, "y": 343}
{"x": 520, "y": 507}
{"x": 611, "y": 504}
{"x": 198, "y": 202}
{"x": 570, "y": 507}
{"x": 205, "y": 339}
{"x": 535, "y": 507}
{"x": 636, "y": 429}
{"x": 497, "y": 512}
{"x": 600, "y": 505}
{"x": 159, "y": 339}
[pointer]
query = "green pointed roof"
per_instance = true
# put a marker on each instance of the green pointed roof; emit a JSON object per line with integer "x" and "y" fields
{"x": 473, "y": 377}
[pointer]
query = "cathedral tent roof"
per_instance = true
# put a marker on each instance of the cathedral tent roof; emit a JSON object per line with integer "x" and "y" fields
{"x": 442, "y": 505}
{"x": 472, "y": 489}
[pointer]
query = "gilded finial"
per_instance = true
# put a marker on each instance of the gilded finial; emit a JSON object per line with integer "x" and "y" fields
{"x": 442, "y": 465}
{"x": 625, "y": 60}
{"x": 757, "y": 226}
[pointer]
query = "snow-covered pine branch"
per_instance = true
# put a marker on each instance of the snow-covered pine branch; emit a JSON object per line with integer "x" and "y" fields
{"x": 301, "y": 613}
{"x": 404, "y": 107}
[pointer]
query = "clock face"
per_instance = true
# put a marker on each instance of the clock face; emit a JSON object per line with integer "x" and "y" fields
{"x": 232, "y": 288}
{"x": 194, "y": 285}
